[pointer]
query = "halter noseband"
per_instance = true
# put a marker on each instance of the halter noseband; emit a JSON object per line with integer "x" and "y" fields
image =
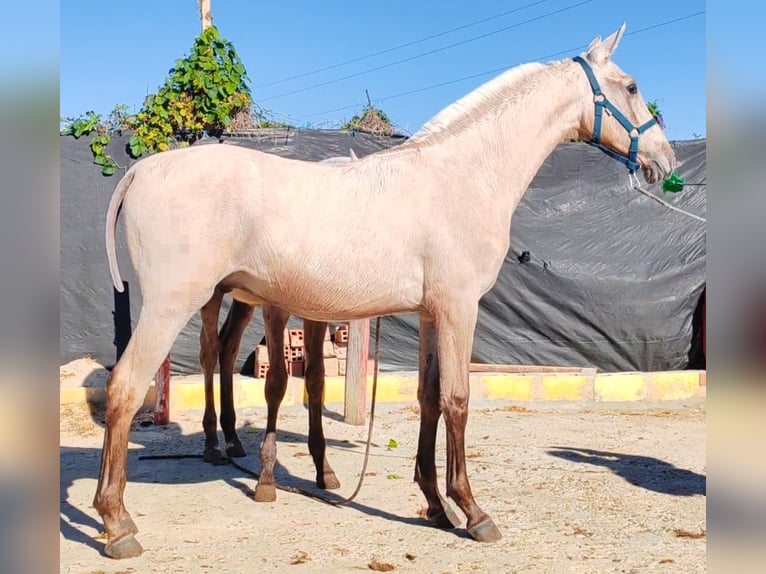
{"x": 602, "y": 102}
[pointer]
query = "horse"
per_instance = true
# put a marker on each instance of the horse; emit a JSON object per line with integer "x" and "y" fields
{"x": 423, "y": 227}
{"x": 224, "y": 347}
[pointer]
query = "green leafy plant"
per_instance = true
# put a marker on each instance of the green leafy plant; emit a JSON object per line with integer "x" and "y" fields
{"x": 92, "y": 122}
{"x": 202, "y": 93}
{"x": 654, "y": 109}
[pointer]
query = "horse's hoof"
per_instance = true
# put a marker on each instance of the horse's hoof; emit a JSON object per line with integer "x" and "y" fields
{"x": 445, "y": 518}
{"x": 265, "y": 493}
{"x": 328, "y": 481}
{"x": 235, "y": 450}
{"x": 213, "y": 456}
{"x": 125, "y": 547}
{"x": 485, "y": 531}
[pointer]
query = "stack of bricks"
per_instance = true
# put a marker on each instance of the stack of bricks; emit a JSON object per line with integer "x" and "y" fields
{"x": 293, "y": 354}
{"x": 334, "y": 351}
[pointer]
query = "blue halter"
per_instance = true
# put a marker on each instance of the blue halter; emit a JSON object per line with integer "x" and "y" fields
{"x": 602, "y": 102}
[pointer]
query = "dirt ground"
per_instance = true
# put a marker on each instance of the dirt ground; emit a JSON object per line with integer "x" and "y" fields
{"x": 573, "y": 488}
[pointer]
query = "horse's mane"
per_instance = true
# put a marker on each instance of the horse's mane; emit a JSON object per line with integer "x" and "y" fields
{"x": 476, "y": 103}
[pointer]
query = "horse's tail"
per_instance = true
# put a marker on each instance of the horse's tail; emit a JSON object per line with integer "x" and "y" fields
{"x": 115, "y": 205}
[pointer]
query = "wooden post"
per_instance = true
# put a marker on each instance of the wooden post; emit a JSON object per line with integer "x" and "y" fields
{"x": 207, "y": 17}
{"x": 162, "y": 397}
{"x": 354, "y": 407}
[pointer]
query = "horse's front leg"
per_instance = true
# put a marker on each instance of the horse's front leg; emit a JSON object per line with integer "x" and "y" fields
{"x": 439, "y": 512}
{"x": 275, "y": 320}
{"x": 208, "y": 355}
{"x": 314, "y": 341}
{"x": 455, "y": 326}
{"x": 237, "y": 320}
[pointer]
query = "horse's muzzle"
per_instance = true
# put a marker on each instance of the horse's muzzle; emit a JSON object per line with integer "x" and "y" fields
{"x": 659, "y": 168}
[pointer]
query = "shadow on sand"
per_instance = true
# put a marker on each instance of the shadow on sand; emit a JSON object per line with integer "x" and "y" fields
{"x": 642, "y": 471}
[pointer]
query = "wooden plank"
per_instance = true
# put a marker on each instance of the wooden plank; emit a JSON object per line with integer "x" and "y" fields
{"x": 495, "y": 368}
{"x": 162, "y": 396}
{"x": 355, "y": 399}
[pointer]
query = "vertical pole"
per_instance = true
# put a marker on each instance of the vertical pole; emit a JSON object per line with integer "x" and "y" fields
{"x": 162, "y": 396}
{"x": 354, "y": 411}
{"x": 207, "y": 17}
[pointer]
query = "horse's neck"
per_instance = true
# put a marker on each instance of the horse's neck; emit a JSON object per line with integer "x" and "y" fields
{"x": 507, "y": 148}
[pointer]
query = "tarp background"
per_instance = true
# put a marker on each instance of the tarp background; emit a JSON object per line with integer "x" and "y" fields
{"x": 613, "y": 279}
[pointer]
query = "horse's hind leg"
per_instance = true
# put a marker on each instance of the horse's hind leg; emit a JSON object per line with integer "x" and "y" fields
{"x": 231, "y": 336}
{"x": 455, "y": 326}
{"x": 275, "y": 320}
{"x": 314, "y": 341}
{"x": 125, "y": 391}
{"x": 208, "y": 355}
{"x": 439, "y": 512}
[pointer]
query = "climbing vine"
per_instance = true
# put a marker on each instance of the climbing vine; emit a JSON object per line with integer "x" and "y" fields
{"x": 91, "y": 122}
{"x": 203, "y": 93}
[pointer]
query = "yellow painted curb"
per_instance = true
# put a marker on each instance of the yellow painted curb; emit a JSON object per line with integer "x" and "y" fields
{"x": 188, "y": 393}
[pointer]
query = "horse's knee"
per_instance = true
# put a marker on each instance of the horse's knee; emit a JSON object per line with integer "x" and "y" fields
{"x": 454, "y": 406}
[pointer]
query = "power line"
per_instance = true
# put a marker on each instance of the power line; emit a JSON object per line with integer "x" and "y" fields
{"x": 400, "y": 46}
{"x": 430, "y": 52}
{"x": 497, "y": 70}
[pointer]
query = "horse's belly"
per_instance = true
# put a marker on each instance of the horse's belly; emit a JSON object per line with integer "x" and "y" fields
{"x": 336, "y": 296}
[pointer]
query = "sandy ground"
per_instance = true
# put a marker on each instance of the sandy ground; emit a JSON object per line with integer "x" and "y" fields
{"x": 573, "y": 487}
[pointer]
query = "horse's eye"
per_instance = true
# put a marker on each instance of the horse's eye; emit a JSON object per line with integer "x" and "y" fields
{"x": 632, "y": 89}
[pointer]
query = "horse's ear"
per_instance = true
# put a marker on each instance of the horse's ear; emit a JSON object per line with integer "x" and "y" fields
{"x": 596, "y": 41}
{"x": 353, "y": 155}
{"x": 601, "y": 52}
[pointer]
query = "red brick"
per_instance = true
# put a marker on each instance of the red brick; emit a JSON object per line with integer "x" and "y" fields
{"x": 262, "y": 354}
{"x": 296, "y": 338}
{"x": 261, "y": 369}
{"x": 295, "y": 368}
{"x": 341, "y": 334}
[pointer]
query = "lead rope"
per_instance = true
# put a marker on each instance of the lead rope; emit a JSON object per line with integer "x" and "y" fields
{"x": 376, "y": 354}
{"x": 292, "y": 489}
{"x": 635, "y": 184}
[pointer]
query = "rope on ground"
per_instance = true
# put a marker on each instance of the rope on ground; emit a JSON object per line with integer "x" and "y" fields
{"x": 291, "y": 489}
{"x": 372, "y": 418}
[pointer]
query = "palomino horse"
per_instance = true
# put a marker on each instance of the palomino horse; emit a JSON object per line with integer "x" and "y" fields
{"x": 423, "y": 228}
{"x": 224, "y": 347}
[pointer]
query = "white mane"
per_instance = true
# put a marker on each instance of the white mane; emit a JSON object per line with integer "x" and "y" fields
{"x": 485, "y": 97}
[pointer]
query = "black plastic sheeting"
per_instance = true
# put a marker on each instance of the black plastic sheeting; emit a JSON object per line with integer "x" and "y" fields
{"x": 611, "y": 278}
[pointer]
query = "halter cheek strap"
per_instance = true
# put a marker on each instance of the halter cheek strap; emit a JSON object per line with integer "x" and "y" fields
{"x": 602, "y": 102}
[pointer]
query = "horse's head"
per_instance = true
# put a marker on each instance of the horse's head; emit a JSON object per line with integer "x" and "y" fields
{"x": 618, "y": 119}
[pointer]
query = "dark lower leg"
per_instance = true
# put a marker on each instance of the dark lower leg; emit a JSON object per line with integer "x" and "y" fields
{"x": 208, "y": 355}
{"x": 276, "y": 384}
{"x": 237, "y": 320}
{"x": 438, "y": 513}
{"x": 125, "y": 391}
{"x": 455, "y": 340}
{"x": 314, "y": 341}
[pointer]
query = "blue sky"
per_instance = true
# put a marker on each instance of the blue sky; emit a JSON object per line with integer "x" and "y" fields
{"x": 110, "y": 54}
